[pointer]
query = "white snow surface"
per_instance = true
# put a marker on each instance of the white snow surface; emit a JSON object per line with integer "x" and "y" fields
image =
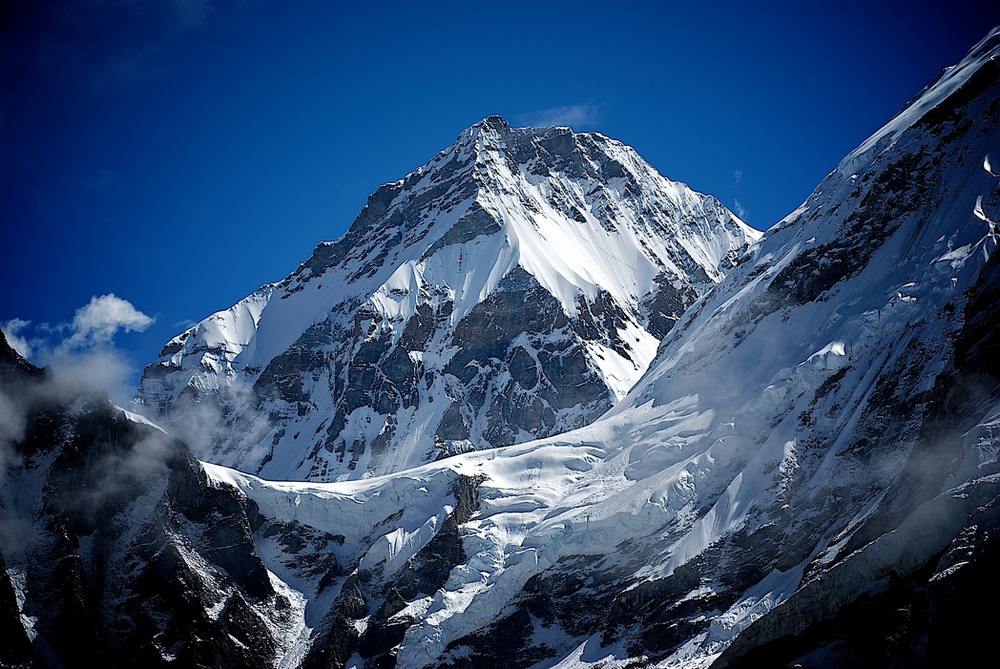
{"x": 751, "y": 415}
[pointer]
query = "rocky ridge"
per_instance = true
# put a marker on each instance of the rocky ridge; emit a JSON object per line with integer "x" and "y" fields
{"x": 514, "y": 287}
{"x": 117, "y": 550}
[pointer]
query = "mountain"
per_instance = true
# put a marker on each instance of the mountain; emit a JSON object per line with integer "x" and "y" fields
{"x": 514, "y": 287}
{"x": 807, "y": 475}
{"x": 116, "y": 550}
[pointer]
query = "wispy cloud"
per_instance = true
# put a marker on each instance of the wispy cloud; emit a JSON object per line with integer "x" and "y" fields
{"x": 83, "y": 351}
{"x": 574, "y": 116}
{"x": 12, "y": 425}
{"x": 740, "y": 209}
{"x": 116, "y": 470}
{"x": 19, "y": 343}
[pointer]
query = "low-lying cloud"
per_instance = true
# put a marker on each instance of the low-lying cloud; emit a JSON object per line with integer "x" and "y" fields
{"x": 12, "y": 424}
{"x": 13, "y": 329}
{"x": 83, "y": 351}
{"x": 573, "y": 116}
{"x": 104, "y": 468}
{"x": 82, "y": 354}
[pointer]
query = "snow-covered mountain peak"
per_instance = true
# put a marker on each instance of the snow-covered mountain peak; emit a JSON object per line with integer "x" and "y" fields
{"x": 514, "y": 286}
{"x": 491, "y": 129}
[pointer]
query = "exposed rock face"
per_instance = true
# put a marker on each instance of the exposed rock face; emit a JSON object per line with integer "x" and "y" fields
{"x": 116, "y": 550}
{"x": 371, "y": 615}
{"x": 514, "y": 287}
{"x": 808, "y": 473}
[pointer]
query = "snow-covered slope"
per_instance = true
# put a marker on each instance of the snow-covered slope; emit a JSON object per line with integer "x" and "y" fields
{"x": 514, "y": 287}
{"x": 817, "y": 433}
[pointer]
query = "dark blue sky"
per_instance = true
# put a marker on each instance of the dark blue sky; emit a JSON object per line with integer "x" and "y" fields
{"x": 179, "y": 153}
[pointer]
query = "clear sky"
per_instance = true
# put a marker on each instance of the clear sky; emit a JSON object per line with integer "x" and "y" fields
{"x": 179, "y": 153}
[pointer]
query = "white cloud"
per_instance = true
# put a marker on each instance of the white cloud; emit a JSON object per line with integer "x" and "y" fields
{"x": 570, "y": 115}
{"x": 737, "y": 177}
{"x": 740, "y": 209}
{"x": 107, "y": 369}
{"x": 12, "y": 425}
{"x": 20, "y": 344}
{"x": 85, "y": 353}
{"x": 99, "y": 320}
